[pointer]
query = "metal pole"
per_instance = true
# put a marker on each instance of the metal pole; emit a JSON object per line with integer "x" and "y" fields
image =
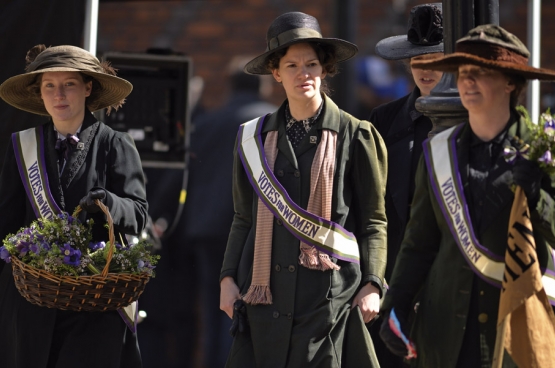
{"x": 534, "y": 44}
{"x": 486, "y": 12}
{"x": 443, "y": 106}
{"x": 345, "y": 28}
{"x": 91, "y": 26}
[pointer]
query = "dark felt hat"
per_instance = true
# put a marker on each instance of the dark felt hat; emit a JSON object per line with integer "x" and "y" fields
{"x": 424, "y": 35}
{"x": 296, "y": 27}
{"x": 489, "y": 46}
{"x": 112, "y": 89}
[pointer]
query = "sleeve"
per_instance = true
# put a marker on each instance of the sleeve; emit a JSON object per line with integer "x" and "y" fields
{"x": 125, "y": 189}
{"x": 418, "y": 249}
{"x": 12, "y": 197}
{"x": 243, "y": 197}
{"x": 369, "y": 176}
{"x": 543, "y": 218}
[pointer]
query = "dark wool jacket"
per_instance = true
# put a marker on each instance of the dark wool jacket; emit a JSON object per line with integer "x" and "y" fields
{"x": 31, "y": 335}
{"x": 306, "y": 324}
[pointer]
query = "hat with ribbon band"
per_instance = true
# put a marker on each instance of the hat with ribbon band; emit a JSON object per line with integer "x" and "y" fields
{"x": 296, "y": 27}
{"x": 17, "y": 90}
{"x": 424, "y": 35}
{"x": 488, "y": 46}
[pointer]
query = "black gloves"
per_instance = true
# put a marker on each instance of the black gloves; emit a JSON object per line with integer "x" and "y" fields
{"x": 393, "y": 342}
{"x": 239, "y": 322}
{"x": 87, "y": 203}
{"x": 527, "y": 174}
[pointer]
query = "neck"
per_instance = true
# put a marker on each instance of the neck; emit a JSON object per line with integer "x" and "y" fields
{"x": 489, "y": 124}
{"x": 302, "y": 110}
{"x": 68, "y": 127}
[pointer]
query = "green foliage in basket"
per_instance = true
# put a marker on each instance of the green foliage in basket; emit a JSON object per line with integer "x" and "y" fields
{"x": 63, "y": 246}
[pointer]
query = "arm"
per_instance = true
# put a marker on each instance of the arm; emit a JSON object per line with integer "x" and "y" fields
{"x": 369, "y": 180}
{"x": 125, "y": 189}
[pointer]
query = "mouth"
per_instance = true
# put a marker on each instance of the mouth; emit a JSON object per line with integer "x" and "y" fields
{"x": 427, "y": 80}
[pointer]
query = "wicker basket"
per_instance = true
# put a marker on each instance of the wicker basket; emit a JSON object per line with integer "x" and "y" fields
{"x": 97, "y": 293}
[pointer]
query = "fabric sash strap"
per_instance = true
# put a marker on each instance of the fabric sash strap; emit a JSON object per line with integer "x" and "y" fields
{"x": 29, "y": 154}
{"x": 320, "y": 237}
{"x": 441, "y": 159}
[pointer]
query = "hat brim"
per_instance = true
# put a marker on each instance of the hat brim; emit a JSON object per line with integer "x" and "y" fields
{"x": 344, "y": 50}
{"x": 450, "y": 63}
{"x": 15, "y": 90}
{"x": 398, "y": 47}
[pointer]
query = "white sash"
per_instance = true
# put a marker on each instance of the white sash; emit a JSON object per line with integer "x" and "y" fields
{"x": 441, "y": 160}
{"x": 327, "y": 236}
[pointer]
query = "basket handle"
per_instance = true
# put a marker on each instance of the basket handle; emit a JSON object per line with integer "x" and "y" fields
{"x": 111, "y": 237}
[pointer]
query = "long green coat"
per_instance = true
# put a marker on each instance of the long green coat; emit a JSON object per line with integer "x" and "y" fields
{"x": 305, "y": 326}
{"x": 431, "y": 260}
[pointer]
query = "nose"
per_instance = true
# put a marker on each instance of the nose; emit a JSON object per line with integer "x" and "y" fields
{"x": 59, "y": 92}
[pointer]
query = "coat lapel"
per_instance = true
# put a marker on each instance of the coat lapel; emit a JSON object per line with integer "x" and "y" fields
{"x": 78, "y": 156}
{"x": 51, "y": 159}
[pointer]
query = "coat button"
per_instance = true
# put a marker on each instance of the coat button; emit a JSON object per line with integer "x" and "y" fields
{"x": 280, "y": 173}
{"x": 482, "y": 292}
{"x": 276, "y": 314}
{"x": 279, "y": 222}
{"x": 289, "y": 315}
{"x": 297, "y": 173}
{"x": 278, "y": 268}
{"x": 483, "y": 317}
{"x": 291, "y": 268}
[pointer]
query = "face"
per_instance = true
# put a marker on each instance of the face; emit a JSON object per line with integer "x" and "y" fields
{"x": 483, "y": 89}
{"x": 64, "y": 94}
{"x": 300, "y": 73}
{"x": 426, "y": 79}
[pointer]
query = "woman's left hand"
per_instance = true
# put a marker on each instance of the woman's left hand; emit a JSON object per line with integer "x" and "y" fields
{"x": 368, "y": 300}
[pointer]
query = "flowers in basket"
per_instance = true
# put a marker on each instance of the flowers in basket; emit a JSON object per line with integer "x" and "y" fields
{"x": 63, "y": 246}
{"x": 541, "y": 147}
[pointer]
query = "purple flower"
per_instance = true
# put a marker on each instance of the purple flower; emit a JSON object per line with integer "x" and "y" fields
{"x": 96, "y": 246}
{"x": 71, "y": 256}
{"x": 5, "y": 255}
{"x": 546, "y": 157}
{"x": 22, "y": 247}
{"x": 34, "y": 248}
{"x": 549, "y": 126}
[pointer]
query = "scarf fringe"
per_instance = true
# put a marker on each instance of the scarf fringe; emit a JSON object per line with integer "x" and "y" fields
{"x": 312, "y": 259}
{"x": 258, "y": 294}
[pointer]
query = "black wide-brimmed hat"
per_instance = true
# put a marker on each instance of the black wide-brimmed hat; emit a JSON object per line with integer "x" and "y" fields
{"x": 424, "y": 35}
{"x": 488, "y": 46}
{"x": 112, "y": 91}
{"x": 296, "y": 27}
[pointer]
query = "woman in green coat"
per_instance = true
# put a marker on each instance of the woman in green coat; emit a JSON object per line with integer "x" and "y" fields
{"x": 459, "y": 223}
{"x": 305, "y": 258}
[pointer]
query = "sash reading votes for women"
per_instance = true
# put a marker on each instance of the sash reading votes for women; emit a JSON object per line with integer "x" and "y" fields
{"x": 327, "y": 236}
{"x": 29, "y": 154}
{"x": 441, "y": 159}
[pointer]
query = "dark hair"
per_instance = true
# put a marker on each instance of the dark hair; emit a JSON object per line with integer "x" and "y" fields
{"x": 520, "y": 84}
{"x": 326, "y": 55}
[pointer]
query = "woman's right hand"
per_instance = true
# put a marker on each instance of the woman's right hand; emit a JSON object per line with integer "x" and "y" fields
{"x": 229, "y": 293}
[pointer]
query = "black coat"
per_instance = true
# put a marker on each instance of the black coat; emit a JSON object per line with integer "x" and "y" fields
{"x": 33, "y": 336}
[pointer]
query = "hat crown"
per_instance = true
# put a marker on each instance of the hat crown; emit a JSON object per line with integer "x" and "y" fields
{"x": 65, "y": 56}
{"x": 291, "y": 21}
{"x": 425, "y": 25}
{"x": 494, "y": 34}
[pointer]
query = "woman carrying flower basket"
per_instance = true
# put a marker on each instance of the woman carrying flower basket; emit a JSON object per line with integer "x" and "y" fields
{"x": 457, "y": 237}
{"x": 71, "y": 160}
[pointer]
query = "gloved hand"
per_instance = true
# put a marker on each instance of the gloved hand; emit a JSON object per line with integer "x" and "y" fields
{"x": 239, "y": 321}
{"x": 394, "y": 342}
{"x": 527, "y": 174}
{"x": 87, "y": 203}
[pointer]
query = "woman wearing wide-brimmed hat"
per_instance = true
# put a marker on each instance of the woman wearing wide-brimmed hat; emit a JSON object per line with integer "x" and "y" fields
{"x": 306, "y": 254}
{"x": 81, "y": 160}
{"x": 403, "y": 129}
{"x": 459, "y": 223}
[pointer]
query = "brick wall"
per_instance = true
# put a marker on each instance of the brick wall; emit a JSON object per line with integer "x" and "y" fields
{"x": 212, "y": 32}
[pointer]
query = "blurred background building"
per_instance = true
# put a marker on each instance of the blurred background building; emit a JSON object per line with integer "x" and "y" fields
{"x": 184, "y": 327}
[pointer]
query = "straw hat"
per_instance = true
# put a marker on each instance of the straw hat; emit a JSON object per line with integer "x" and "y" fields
{"x": 424, "y": 35}
{"x": 111, "y": 93}
{"x": 296, "y": 27}
{"x": 489, "y": 46}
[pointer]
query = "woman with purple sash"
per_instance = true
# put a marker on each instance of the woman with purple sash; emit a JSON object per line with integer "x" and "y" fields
{"x": 305, "y": 259}
{"x": 80, "y": 160}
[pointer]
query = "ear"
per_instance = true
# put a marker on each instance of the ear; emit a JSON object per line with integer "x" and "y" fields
{"x": 88, "y": 88}
{"x": 277, "y": 77}
{"x": 510, "y": 87}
